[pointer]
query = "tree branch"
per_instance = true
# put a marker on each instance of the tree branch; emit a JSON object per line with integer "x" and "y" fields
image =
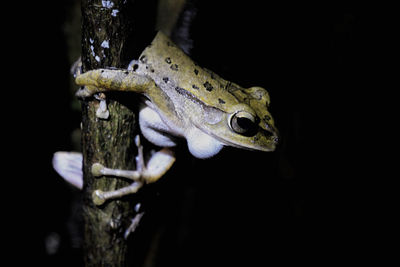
{"x": 106, "y": 27}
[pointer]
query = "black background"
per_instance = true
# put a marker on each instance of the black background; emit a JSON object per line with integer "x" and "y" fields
{"x": 310, "y": 201}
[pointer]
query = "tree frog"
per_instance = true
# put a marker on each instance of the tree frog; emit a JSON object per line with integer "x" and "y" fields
{"x": 182, "y": 100}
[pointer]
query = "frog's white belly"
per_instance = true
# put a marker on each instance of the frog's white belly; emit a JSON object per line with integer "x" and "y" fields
{"x": 154, "y": 129}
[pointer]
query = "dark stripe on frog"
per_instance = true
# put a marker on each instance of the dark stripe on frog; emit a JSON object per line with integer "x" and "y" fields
{"x": 188, "y": 95}
{"x": 192, "y": 97}
{"x": 230, "y": 88}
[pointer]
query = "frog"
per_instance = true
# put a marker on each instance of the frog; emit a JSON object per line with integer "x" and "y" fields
{"x": 181, "y": 100}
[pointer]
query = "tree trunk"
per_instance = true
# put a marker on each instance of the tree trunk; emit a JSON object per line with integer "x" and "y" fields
{"x": 106, "y": 27}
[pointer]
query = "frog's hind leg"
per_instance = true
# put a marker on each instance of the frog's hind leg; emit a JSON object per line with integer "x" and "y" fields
{"x": 69, "y": 166}
{"x": 159, "y": 163}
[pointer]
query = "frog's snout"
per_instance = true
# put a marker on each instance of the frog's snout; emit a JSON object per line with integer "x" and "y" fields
{"x": 271, "y": 132}
{"x": 276, "y": 139}
{"x": 273, "y": 135}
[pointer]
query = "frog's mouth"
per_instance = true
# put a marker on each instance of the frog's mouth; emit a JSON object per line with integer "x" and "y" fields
{"x": 262, "y": 141}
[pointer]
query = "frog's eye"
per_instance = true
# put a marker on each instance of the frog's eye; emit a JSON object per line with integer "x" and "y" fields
{"x": 244, "y": 123}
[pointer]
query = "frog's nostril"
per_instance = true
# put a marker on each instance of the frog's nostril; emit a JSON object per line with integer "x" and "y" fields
{"x": 273, "y": 136}
{"x": 276, "y": 139}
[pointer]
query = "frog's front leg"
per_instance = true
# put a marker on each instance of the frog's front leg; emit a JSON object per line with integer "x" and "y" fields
{"x": 103, "y": 80}
{"x": 159, "y": 163}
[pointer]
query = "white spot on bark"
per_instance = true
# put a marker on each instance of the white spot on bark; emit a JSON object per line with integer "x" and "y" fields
{"x": 107, "y": 4}
{"x": 105, "y": 44}
{"x": 114, "y": 12}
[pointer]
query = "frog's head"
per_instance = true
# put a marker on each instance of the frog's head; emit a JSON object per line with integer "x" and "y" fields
{"x": 245, "y": 122}
{"x": 252, "y": 127}
{"x": 250, "y": 123}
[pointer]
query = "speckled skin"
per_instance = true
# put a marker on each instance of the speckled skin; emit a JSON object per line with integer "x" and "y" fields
{"x": 191, "y": 102}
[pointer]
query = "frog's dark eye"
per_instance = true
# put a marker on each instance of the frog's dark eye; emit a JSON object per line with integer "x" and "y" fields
{"x": 243, "y": 123}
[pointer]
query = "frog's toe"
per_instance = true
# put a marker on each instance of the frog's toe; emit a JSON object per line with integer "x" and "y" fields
{"x": 102, "y": 111}
{"x": 98, "y": 198}
{"x": 97, "y": 169}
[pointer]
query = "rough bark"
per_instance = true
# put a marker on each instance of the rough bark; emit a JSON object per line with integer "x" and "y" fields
{"x": 106, "y": 28}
